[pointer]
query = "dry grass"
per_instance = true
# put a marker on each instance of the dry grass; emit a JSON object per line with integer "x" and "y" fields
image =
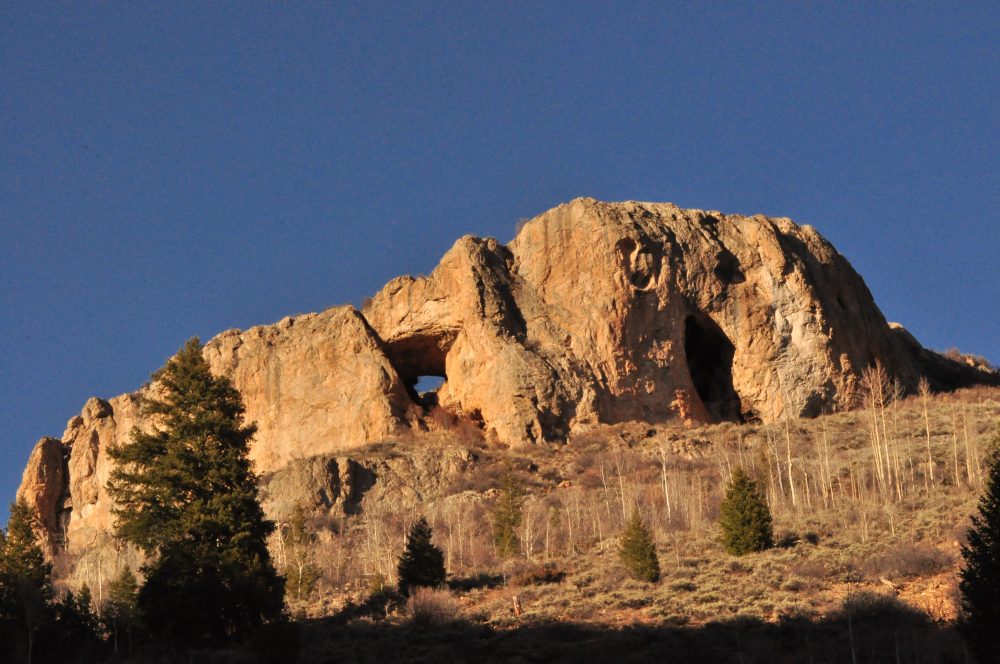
{"x": 846, "y": 532}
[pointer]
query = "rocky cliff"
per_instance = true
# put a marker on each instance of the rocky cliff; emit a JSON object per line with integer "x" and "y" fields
{"x": 595, "y": 313}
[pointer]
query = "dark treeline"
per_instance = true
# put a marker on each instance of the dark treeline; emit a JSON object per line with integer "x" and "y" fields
{"x": 38, "y": 626}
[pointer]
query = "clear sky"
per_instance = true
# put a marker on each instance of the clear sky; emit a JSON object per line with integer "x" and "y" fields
{"x": 177, "y": 168}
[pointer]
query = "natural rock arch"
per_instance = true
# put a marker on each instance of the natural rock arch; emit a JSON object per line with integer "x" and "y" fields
{"x": 416, "y": 358}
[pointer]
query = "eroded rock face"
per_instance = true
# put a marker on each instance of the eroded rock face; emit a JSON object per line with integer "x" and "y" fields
{"x": 595, "y": 313}
{"x": 609, "y": 312}
{"x": 315, "y": 384}
{"x": 42, "y": 487}
{"x": 336, "y": 485}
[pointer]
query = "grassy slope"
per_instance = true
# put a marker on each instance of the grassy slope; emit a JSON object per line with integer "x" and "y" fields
{"x": 866, "y": 570}
{"x": 885, "y": 556}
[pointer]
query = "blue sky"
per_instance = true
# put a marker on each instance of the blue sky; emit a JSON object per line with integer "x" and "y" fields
{"x": 175, "y": 169}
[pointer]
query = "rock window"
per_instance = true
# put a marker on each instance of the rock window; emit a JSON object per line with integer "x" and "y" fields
{"x": 420, "y": 362}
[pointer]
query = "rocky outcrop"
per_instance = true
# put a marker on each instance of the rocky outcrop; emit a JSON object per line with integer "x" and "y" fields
{"x": 336, "y": 485}
{"x": 314, "y": 384}
{"x": 609, "y": 312}
{"x": 595, "y": 313}
{"x": 42, "y": 487}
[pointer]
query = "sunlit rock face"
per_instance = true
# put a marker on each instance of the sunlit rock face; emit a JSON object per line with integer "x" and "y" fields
{"x": 595, "y": 313}
{"x": 605, "y": 312}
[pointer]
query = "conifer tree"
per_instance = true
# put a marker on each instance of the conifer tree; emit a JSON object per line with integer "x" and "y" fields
{"x": 980, "y": 577}
{"x": 121, "y": 614}
{"x": 85, "y": 613}
{"x": 422, "y": 563}
{"x": 25, "y": 589}
{"x": 638, "y": 552}
{"x": 301, "y": 574}
{"x": 73, "y": 635}
{"x": 186, "y": 494}
{"x": 507, "y": 517}
{"x": 745, "y": 517}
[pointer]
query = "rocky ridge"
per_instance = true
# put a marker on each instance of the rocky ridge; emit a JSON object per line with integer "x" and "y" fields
{"x": 596, "y": 313}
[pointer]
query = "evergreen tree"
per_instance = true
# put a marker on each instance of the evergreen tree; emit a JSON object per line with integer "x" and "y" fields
{"x": 74, "y": 633}
{"x": 121, "y": 614}
{"x": 25, "y": 590}
{"x": 186, "y": 494}
{"x": 422, "y": 563}
{"x": 84, "y": 613}
{"x": 638, "y": 552}
{"x": 301, "y": 574}
{"x": 507, "y": 517}
{"x": 745, "y": 517}
{"x": 980, "y": 577}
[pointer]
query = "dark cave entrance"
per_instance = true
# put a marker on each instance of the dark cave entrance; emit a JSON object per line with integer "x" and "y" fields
{"x": 710, "y": 361}
{"x": 420, "y": 362}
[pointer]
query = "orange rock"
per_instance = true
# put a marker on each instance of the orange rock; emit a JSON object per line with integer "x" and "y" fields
{"x": 596, "y": 313}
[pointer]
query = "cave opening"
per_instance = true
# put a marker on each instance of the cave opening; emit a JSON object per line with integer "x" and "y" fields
{"x": 420, "y": 362}
{"x": 710, "y": 360}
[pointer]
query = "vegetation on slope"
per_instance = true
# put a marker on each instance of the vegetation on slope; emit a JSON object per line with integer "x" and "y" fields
{"x": 869, "y": 509}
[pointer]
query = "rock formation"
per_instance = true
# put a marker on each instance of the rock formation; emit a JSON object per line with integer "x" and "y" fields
{"x": 595, "y": 313}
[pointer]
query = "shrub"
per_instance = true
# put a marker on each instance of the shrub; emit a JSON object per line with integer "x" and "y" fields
{"x": 745, "y": 517}
{"x": 810, "y": 569}
{"x": 787, "y": 540}
{"x": 534, "y": 575}
{"x": 427, "y": 607}
{"x": 638, "y": 552}
{"x": 877, "y": 609}
{"x": 377, "y": 583}
{"x": 908, "y": 560}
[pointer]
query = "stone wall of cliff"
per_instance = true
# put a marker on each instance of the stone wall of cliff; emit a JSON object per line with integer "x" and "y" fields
{"x": 595, "y": 313}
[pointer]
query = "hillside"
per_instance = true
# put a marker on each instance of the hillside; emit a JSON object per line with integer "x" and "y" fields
{"x": 612, "y": 356}
{"x": 857, "y": 557}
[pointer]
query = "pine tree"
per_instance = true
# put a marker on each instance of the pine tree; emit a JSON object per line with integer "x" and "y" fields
{"x": 85, "y": 613}
{"x": 186, "y": 494}
{"x": 638, "y": 552}
{"x": 422, "y": 563}
{"x": 301, "y": 574}
{"x": 745, "y": 517}
{"x": 25, "y": 589}
{"x": 980, "y": 577}
{"x": 121, "y": 614}
{"x": 73, "y": 635}
{"x": 507, "y": 517}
